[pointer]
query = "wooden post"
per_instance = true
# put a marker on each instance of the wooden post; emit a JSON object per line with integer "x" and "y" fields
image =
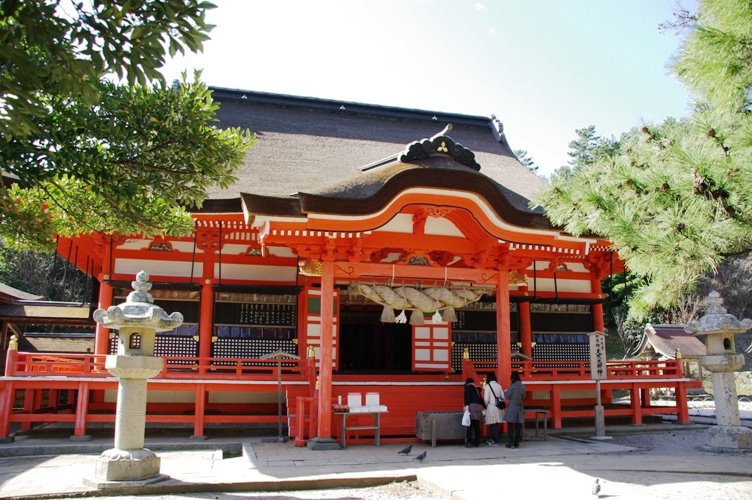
{"x": 325, "y": 370}
{"x": 7, "y": 394}
{"x": 209, "y": 240}
{"x": 28, "y": 407}
{"x": 503, "y": 329}
{"x": 206, "y": 322}
{"x": 526, "y": 333}
{"x": 82, "y": 410}
{"x": 597, "y": 309}
{"x": 682, "y": 410}
{"x": 102, "y": 334}
{"x": 199, "y": 411}
{"x": 323, "y": 439}
{"x": 636, "y": 405}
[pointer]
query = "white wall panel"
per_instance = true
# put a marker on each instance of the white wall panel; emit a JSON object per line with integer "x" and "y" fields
{"x": 256, "y": 273}
{"x": 158, "y": 267}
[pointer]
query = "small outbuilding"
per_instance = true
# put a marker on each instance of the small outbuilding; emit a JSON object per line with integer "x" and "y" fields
{"x": 672, "y": 342}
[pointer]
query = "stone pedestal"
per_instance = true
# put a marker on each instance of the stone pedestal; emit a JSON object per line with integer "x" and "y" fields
{"x": 729, "y": 438}
{"x": 127, "y": 465}
{"x": 129, "y": 460}
{"x": 322, "y": 443}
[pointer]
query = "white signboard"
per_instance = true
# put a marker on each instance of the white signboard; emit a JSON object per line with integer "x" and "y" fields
{"x": 598, "y": 369}
{"x": 432, "y": 348}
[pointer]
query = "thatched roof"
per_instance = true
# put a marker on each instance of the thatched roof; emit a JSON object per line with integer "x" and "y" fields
{"x": 340, "y": 149}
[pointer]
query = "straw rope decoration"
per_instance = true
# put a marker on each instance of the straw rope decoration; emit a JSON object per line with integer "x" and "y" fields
{"x": 433, "y": 299}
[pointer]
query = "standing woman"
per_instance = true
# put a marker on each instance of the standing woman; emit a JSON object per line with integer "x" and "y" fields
{"x": 515, "y": 414}
{"x": 474, "y": 404}
{"x": 491, "y": 394}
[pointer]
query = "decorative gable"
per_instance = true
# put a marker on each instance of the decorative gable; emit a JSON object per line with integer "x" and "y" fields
{"x": 439, "y": 144}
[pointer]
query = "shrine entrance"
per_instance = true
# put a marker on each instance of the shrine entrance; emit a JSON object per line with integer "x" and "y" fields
{"x": 369, "y": 346}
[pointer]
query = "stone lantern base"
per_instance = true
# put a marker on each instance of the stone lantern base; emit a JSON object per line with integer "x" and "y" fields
{"x": 128, "y": 465}
{"x": 729, "y": 438}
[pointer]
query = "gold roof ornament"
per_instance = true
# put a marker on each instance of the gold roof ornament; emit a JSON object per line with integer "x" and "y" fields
{"x": 311, "y": 267}
{"x": 517, "y": 278}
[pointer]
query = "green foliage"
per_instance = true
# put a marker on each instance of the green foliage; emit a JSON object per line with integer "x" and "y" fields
{"x": 68, "y": 46}
{"x": 675, "y": 198}
{"x": 48, "y": 275}
{"x": 524, "y": 157}
{"x": 130, "y": 164}
{"x": 589, "y": 147}
{"x": 90, "y": 155}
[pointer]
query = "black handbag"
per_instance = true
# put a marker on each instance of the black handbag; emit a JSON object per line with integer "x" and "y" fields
{"x": 500, "y": 403}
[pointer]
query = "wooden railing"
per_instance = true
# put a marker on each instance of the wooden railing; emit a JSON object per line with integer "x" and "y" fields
{"x": 580, "y": 370}
{"x": 24, "y": 364}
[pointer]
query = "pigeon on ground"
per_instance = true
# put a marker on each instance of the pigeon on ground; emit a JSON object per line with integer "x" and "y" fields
{"x": 421, "y": 456}
{"x": 406, "y": 450}
{"x": 596, "y": 488}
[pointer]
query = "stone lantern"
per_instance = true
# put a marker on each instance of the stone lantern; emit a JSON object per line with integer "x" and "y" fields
{"x": 138, "y": 320}
{"x": 718, "y": 327}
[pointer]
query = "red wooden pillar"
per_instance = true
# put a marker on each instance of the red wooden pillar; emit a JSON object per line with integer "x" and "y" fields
{"x": 7, "y": 393}
{"x": 82, "y": 411}
{"x": 30, "y": 397}
{"x": 104, "y": 246}
{"x": 645, "y": 397}
{"x": 526, "y": 332}
{"x": 199, "y": 411}
{"x": 682, "y": 410}
{"x": 503, "y": 329}
{"x": 208, "y": 239}
{"x": 206, "y": 322}
{"x": 325, "y": 370}
{"x": 597, "y": 310}
{"x": 636, "y": 406}
{"x": 323, "y": 439}
{"x": 53, "y": 399}
{"x": 102, "y": 334}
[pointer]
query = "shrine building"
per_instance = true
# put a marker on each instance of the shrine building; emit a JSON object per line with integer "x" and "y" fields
{"x": 364, "y": 249}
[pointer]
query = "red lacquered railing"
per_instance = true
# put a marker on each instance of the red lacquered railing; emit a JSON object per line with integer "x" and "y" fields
{"x": 580, "y": 370}
{"x": 24, "y": 364}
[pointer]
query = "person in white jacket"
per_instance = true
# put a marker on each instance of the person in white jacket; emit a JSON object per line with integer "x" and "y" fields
{"x": 492, "y": 393}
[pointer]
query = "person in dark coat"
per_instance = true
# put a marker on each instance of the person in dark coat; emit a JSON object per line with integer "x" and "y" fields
{"x": 515, "y": 413}
{"x": 474, "y": 404}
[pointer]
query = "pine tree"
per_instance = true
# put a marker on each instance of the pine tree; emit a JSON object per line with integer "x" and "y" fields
{"x": 676, "y": 198}
{"x": 524, "y": 157}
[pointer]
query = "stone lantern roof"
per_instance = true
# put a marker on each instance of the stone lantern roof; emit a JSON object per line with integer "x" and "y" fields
{"x": 717, "y": 319}
{"x": 138, "y": 310}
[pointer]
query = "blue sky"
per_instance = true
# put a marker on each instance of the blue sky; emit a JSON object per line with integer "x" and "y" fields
{"x": 544, "y": 67}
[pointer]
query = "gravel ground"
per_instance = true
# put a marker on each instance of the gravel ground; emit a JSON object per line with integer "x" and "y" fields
{"x": 620, "y": 484}
{"x": 398, "y": 491}
{"x": 672, "y": 442}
